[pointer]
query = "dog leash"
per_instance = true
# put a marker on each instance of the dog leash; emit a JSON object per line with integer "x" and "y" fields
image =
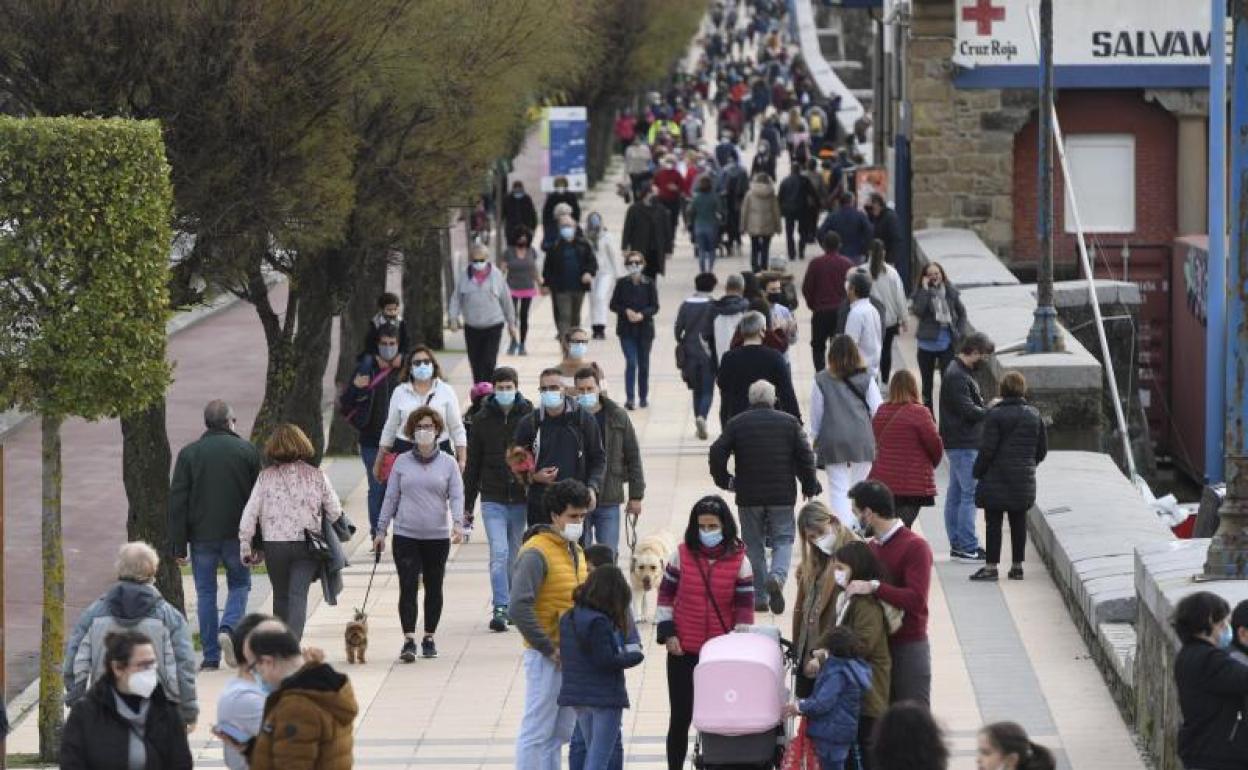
{"x": 630, "y": 537}
{"x": 367, "y": 591}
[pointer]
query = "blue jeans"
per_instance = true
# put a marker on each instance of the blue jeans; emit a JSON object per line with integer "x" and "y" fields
{"x": 704, "y": 238}
{"x": 205, "y": 556}
{"x": 545, "y": 725}
{"x": 605, "y": 747}
{"x": 960, "y": 500}
{"x": 376, "y": 489}
{"x": 636, "y": 366}
{"x": 704, "y": 395}
{"x": 504, "y": 526}
{"x": 776, "y": 522}
{"x": 602, "y": 525}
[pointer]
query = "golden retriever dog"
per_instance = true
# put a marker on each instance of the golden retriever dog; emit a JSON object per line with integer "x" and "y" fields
{"x": 649, "y": 561}
{"x": 357, "y": 637}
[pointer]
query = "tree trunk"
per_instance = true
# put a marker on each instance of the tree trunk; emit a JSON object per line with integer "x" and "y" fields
{"x": 352, "y": 325}
{"x": 422, "y": 290}
{"x": 51, "y": 683}
{"x": 145, "y": 460}
{"x": 310, "y": 354}
{"x": 278, "y": 373}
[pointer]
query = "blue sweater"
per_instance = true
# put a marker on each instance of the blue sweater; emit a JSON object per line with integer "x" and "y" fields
{"x": 833, "y": 708}
{"x": 593, "y": 657}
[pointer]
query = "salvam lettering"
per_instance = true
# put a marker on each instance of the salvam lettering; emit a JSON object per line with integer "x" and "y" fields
{"x": 1139, "y": 44}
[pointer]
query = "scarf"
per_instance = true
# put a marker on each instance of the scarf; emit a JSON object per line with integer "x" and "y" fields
{"x": 940, "y": 306}
{"x": 137, "y": 722}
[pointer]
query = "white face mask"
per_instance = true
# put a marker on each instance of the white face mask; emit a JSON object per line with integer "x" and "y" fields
{"x": 426, "y": 436}
{"x": 142, "y": 683}
{"x": 572, "y": 531}
{"x": 826, "y": 541}
{"x": 841, "y": 577}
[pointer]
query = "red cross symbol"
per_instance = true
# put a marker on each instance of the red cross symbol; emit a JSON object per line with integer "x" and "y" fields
{"x": 983, "y": 13}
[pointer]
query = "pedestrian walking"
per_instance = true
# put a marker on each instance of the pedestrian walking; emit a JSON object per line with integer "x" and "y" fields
{"x": 906, "y": 559}
{"x": 886, "y": 224}
{"x": 575, "y": 346}
{"x": 365, "y": 403}
{"x": 425, "y": 502}
{"x": 705, "y": 214}
{"x": 1006, "y": 745}
{"x": 647, "y": 229}
{"x": 625, "y": 130}
{"x": 291, "y": 498}
{"x": 503, "y": 496}
{"x": 760, "y": 218}
{"x": 886, "y": 289}
{"x": 670, "y": 185}
{"x": 550, "y": 566}
{"x": 423, "y": 385}
{"x": 942, "y": 321}
{"x": 133, "y": 605}
{"x": 695, "y": 348}
{"x": 519, "y": 262}
{"x": 551, "y": 226}
{"x": 568, "y": 273}
{"x": 833, "y": 710}
{"x": 126, "y": 720}
{"x": 212, "y": 480}
{"x": 815, "y": 609}
{"x": 797, "y": 197}
{"x": 851, "y": 224}
{"x": 1211, "y": 685}
{"x": 908, "y": 738}
{"x": 823, "y": 288}
{"x": 639, "y": 165}
{"x": 311, "y": 709}
{"x": 771, "y": 456}
{"x": 623, "y": 462}
{"x": 727, "y": 313}
{"x": 842, "y": 402}
{"x": 240, "y": 707}
{"x": 732, "y": 186}
{"x": 593, "y": 656}
{"x": 782, "y": 319}
{"x": 707, "y": 590}
{"x": 745, "y": 365}
{"x": 1014, "y": 442}
{"x": 862, "y": 323}
{"x": 483, "y": 302}
{"x": 962, "y": 413}
{"x": 519, "y": 213}
{"x": 388, "y": 314}
{"x": 764, "y": 159}
{"x": 907, "y": 448}
{"x": 635, "y": 302}
{"x": 608, "y": 273}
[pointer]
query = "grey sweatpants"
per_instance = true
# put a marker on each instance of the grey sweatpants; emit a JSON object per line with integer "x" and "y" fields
{"x": 912, "y": 673}
{"x": 291, "y": 572}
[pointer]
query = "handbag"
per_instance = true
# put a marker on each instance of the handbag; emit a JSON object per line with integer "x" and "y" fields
{"x": 344, "y": 528}
{"x": 387, "y": 465}
{"x": 317, "y": 546}
{"x": 800, "y": 753}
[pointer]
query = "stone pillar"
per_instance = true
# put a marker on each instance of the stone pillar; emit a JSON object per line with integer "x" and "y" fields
{"x": 1191, "y": 108}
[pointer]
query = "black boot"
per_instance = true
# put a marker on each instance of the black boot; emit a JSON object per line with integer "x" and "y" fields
{"x": 600, "y": 331}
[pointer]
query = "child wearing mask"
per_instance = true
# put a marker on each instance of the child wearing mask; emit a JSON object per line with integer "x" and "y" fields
{"x": 833, "y": 708}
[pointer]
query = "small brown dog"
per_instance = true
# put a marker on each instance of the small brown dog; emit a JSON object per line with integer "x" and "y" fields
{"x": 357, "y": 637}
{"x": 522, "y": 464}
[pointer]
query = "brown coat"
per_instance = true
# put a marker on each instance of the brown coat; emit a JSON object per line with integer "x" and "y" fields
{"x": 865, "y": 615}
{"x": 307, "y": 723}
{"x": 821, "y": 601}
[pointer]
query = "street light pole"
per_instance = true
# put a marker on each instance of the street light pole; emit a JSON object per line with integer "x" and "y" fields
{"x": 1228, "y": 552}
{"x": 1043, "y": 337}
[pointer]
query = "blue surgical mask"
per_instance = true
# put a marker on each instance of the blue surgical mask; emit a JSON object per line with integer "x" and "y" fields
{"x": 552, "y": 399}
{"x": 1226, "y": 637}
{"x": 422, "y": 372}
{"x": 578, "y": 349}
{"x": 567, "y": 232}
{"x": 264, "y": 687}
{"x": 711, "y": 538}
{"x": 588, "y": 400}
{"x": 505, "y": 397}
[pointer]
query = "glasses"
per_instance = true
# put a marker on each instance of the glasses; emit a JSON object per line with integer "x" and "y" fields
{"x": 632, "y": 264}
{"x": 582, "y": 340}
{"x": 426, "y": 426}
{"x": 422, "y": 361}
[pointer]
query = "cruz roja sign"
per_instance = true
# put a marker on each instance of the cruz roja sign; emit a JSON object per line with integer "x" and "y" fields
{"x": 1096, "y": 43}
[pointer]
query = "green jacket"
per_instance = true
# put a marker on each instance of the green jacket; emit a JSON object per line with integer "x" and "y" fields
{"x": 212, "y": 480}
{"x": 623, "y": 457}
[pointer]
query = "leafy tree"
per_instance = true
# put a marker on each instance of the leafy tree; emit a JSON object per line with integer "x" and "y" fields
{"x": 85, "y": 207}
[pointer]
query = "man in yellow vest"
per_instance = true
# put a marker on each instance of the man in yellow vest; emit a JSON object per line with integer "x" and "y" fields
{"x": 548, "y": 569}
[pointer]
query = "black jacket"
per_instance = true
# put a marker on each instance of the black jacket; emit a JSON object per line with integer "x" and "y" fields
{"x": 550, "y": 228}
{"x": 367, "y": 408}
{"x": 519, "y": 211}
{"x": 695, "y": 340}
{"x": 798, "y": 196}
{"x": 570, "y": 441}
{"x": 740, "y": 368}
{"x": 566, "y": 262}
{"x": 1014, "y": 443}
{"x": 212, "y": 482}
{"x": 648, "y": 230}
{"x": 486, "y": 472}
{"x": 1212, "y": 691}
{"x": 97, "y": 738}
{"x": 888, "y": 229}
{"x": 771, "y": 451}
{"x": 962, "y": 408}
{"x": 641, "y": 296}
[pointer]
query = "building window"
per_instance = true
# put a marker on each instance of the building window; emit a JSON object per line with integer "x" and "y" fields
{"x": 1102, "y": 175}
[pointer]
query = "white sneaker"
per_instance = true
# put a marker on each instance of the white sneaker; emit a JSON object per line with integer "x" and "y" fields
{"x": 701, "y": 425}
{"x": 228, "y": 656}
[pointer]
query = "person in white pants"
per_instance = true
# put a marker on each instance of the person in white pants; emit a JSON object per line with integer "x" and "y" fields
{"x": 604, "y": 279}
{"x": 842, "y": 403}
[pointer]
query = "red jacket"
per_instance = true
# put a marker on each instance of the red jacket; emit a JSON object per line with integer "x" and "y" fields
{"x": 691, "y": 175}
{"x": 907, "y": 449}
{"x": 685, "y": 590}
{"x": 670, "y": 183}
{"x": 824, "y": 284}
{"x": 625, "y": 128}
{"x": 907, "y": 558}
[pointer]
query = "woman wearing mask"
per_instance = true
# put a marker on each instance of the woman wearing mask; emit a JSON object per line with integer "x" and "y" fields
{"x": 814, "y": 613}
{"x": 1006, "y": 746}
{"x": 521, "y": 265}
{"x": 482, "y": 298}
{"x": 575, "y": 345}
{"x": 887, "y": 289}
{"x": 126, "y": 721}
{"x": 240, "y": 709}
{"x": 423, "y": 386}
{"x": 604, "y": 279}
{"x": 1212, "y": 686}
{"x": 907, "y": 447}
{"x": 635, "y": 303}
{"x": 290, "y": 498}
{"x": 706, "y": 591}
{"x": 704, "y": 214}
{"x": 942, "y": 318}
{"x": 842, "y": 403}
{"x": 760, "y": 217}
{"x": 567, "y": 273}
{"x": 425, "y": 501}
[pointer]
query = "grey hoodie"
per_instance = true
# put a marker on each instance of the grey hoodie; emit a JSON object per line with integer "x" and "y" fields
{"x": 483, "y": 304}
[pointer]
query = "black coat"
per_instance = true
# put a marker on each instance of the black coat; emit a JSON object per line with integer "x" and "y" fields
{"x": 566, "y": 262}
{"x": 97, "y": 738}
{"x": 1014, "y": 442}
{"x": 695, "y": 341}
{"x": 740, "y": 368}
{"x": 962, "y": 409}
{"x": 550, "y": 228}
{"x": 367, "y": 408}
{"x": 771, "y": 451}
{"x": 1212, "y": 691}
{"x": 888, "y": 229}
{"x": 486, "y": 473}
{"x": 519, "y": 211}
{"x": 647, "y": 229}
{"x": 798, "y": 196}
{"x": 641, "y": 296}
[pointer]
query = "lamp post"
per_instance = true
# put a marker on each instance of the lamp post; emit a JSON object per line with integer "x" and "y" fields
{"x": 1043, "y": 337}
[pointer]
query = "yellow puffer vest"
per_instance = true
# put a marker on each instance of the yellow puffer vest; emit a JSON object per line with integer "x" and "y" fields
{"x": 562, "y": 577}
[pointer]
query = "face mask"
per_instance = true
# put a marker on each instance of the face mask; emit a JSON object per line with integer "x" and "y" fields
{"x": 422, "y": 372}
{"x": 143, "y": 683}
{"x": 552, "y": 399}
{"x": 263, "y": 686}
{"x": 776, "y": 299}
{"x": 505, "y": 397}
{"x": 426, "y": 437}
{"x": 588, "y": 400}
{"x": 633, "y": 269}
{"x": 1225, "y": 638}
{"x": 578, "y": 349}
{"x": 826, "y": 542}
{"x": 572, "y": 531}
{"x": 518, "y": 193}
{"x": 387, "y": 352}
{"x": 561, "y": 189}
{"x": 712, "y": 538}
{"x": 478, "y": 265}
{"x": 567, "y": 232}
{"x": 841, "y": 577}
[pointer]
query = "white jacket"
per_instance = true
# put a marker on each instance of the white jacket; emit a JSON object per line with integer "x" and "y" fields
{"x": 887, "y": 289}
{"x": 604, "y": 279}
{"x": 441, "y": 398}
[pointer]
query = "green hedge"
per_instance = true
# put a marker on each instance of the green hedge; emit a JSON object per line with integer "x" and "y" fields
{"x": 85, "y": 212}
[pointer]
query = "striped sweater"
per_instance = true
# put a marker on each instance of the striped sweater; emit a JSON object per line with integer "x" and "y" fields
{"x": 704, "y": 594}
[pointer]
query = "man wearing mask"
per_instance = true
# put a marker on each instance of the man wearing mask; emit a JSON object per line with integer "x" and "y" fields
{"x": 862, "y": 320}
{"x": 568, "y": 273}
{"x": 550, "y": 566}
{"x": 907, "y": 559}
{"x": 647, "y": 230}
{"x": 623, "y": 462}
{"x": 564, "y": 442}
{"x": 518, "y": 211}
{"x": 962, "y": 412}
{"x": 504, "y": 505}
{"x": 388, "y": 314}
{"x": 550, "y": 220}
{"x": 365, "y": 404}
